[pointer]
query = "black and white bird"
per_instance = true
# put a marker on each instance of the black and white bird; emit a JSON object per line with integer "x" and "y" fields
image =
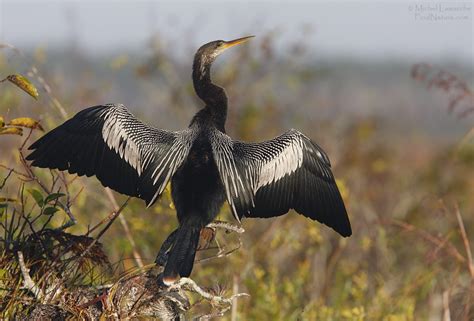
{"x": 204, "y": 165}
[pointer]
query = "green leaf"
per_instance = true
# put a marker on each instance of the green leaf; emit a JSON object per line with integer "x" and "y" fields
{"x": 23, "y": 83}
{"x": 50, "y": 210}
{"x": 3, "y": 205}
{"x": 37, "y": 196}
{"x": 53, "y": 197}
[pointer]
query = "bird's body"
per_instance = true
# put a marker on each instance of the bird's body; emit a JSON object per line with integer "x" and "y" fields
{"x": 196, "y": 186}
{"x": 204, "y": 165}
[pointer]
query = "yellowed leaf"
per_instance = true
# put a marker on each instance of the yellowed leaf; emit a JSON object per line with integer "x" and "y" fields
{"x": 2, "y": 122}
{"x": 24, "y": 84}
{"x": 26, "y": 122}
{"x": 11, "y": 131}
{"x": 8, "y": 200}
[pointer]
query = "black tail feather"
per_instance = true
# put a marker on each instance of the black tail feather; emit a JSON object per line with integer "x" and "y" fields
{"x": 181, "y": 257}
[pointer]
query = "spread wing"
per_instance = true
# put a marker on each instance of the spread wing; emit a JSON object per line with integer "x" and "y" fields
{"x": 268, "y": 179}
{"x": 109, "y": 142}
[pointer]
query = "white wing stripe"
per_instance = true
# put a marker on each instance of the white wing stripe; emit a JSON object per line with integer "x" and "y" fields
{"x": 284, "y": 163}
{"x": 246, "y": 167}
{"x": 115, "y": 135}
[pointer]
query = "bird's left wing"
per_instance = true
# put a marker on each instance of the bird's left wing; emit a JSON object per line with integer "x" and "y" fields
{"x": 109, "y": 142}
{"x": 268, "y": 179}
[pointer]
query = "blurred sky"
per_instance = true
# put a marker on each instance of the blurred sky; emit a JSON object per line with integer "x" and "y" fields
{"x": 414, "y": 30}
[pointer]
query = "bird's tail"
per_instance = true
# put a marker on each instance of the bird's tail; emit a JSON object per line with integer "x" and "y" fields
{"x": 181, "y": 256}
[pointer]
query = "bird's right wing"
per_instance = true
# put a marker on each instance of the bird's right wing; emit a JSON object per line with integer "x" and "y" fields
{"x": 268, "y": 179}
{"x": 109, "y": 142}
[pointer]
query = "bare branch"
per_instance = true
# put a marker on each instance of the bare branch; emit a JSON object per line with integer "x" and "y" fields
{"x": 28, "y": 283}
{"x": 457, "y": 89}
{"x": 6, "y": 179}
{"x": 235, "y": 290}
{"x": 446, "y": 311}
{"x": 115, "y": 215}
{"x": 448, "y": 246}
{"x": 222, "y": 252}
{"x": 227, "y": 226}
{"x": 189, "y": 284}
{"x": 72, "y": 220}
{"x": 136, "y": 254}
{"x": 465, "y": 240}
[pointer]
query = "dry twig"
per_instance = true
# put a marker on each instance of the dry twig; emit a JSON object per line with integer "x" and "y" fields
{"x": 457, "y": 89}
{"x": 136, "y": 254}
{"x": 28, "y": 283}
{"x": 465, "y": 239}
{"x": 189, "y": 284}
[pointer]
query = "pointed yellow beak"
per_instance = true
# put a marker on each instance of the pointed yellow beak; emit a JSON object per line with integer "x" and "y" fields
{"x": 235, "y": 42}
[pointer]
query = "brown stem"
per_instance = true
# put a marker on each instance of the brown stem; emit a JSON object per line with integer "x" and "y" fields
{"x": 136, "y": 254}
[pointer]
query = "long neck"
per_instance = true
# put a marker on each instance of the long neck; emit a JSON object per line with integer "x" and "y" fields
{"x": 213, "y": 95}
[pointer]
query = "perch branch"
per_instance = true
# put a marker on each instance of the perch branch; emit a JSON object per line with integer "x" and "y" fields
{"x": 192, "y": 286}
{"x": 28, "y": 283}
{"x": 227, "y": 226}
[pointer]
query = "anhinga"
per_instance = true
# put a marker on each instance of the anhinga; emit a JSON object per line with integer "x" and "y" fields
{"x": 205, "y": 166}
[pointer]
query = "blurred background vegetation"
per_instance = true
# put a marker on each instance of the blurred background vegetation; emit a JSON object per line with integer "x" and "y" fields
{"x": 400, "y": 137}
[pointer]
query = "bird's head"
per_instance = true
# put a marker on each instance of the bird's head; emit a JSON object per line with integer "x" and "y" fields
{"x": 207, "y": 53}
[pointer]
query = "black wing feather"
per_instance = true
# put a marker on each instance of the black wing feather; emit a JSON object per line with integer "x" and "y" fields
{"x": 287, "y": 172}
{"x": 126, "y": 160}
